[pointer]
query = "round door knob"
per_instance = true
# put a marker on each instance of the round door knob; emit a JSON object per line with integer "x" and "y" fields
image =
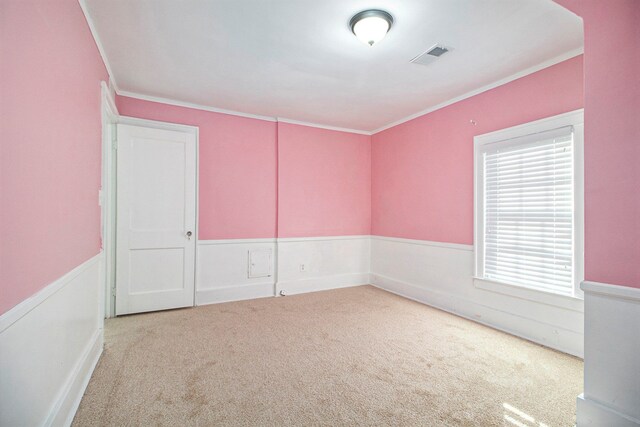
{"x": 189, "y": 234}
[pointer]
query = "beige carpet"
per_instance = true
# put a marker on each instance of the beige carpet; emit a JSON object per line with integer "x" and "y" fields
{"x": 356, "y": 356}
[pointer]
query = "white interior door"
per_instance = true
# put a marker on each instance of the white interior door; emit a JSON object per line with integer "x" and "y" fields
{"x": 156, "y": 217}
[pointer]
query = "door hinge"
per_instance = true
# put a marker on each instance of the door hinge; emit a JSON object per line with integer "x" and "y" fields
{"x": 113, "y": 291}
{"x": 115, "y": 144}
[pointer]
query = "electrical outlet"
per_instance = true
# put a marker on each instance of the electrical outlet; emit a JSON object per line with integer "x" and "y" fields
{"x": 303, "y": 267}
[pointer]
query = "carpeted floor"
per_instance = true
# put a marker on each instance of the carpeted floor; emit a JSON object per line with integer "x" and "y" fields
{"x": 355, "y": 356}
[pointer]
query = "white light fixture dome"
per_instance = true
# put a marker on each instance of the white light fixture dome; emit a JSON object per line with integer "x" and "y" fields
{"x": 370, "y": 26}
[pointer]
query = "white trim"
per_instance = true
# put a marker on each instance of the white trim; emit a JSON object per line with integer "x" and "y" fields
{"x": 197, "y": 212}
{"x": 96, "y": 38}
{"x": 611, "y": 344}
{"x": 320, "y": 238}
{"x": 613, "y": 291}
{"x": 458, "y": 246}
{"x": 168, "y": 101}
{"x": 309, "y": 264}
{"x": 224, "y": 268}
{"x": 571, "y": 118}
{"x": 107, "y": 97}
{"x": 194, "y": 106}
{"x": 156, "y": 124}
{"x": 323, "y": 283}
{"x": 592, "y": 413}
{"x": 565, "y": 340}
{"x": 239, "y": 292}
{"x": 520, "y": 74}
{"x": 553, "y": 61}
{"x": 223, "y": 277}
{"x": 442, "y": 277}
{"x": 109, "y": 118}
{"x": 22, "y": 309}
{"x": 578, "y": 197}
{"x": 563, "y": 301}
{"x": 68, "y": 401}
{"x": 320, "y": 126}
{"x": 58, "y": 332}
{"x": 236, "y": 241}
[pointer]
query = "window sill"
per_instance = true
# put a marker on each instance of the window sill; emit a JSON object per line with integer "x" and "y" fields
{"x": 572, "y": 303}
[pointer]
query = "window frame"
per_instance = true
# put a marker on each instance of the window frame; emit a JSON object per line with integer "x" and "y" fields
{"x": 575, "y": 119}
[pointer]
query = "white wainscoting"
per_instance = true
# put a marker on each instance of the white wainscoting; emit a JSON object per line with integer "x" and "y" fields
{"x": 612, "y": 357}
{"x": 49, "y": 346}
{"x": 329, "y": 262}
{"x": 441, "y": 275}
{"x": 223, "y": 271}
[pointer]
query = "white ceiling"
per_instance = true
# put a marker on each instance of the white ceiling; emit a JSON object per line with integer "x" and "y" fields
{"x": 297, "y": 59}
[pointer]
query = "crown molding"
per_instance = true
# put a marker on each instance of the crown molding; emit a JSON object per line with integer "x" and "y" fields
{"x": 520, "y": 74}
{"x": 553, "y": 61}
{"x": 320, "y": 126}
{"x": 194, "y": 106}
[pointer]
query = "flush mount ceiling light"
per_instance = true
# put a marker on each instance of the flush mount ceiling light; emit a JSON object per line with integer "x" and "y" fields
{"x": 370, "y": 26}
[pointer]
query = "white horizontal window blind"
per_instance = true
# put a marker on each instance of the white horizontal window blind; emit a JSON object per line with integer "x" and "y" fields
{"x": 529, "y": 211}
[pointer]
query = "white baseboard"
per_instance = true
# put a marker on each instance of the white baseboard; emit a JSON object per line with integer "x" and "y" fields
{"x": 612, "y": 345}
{"x": 315, "y": 284}
{"x": 49, "y": 345}
{"x": 595, "y": 414}
{"x": 234, "y": 293}
{"x": 538, "y": 332}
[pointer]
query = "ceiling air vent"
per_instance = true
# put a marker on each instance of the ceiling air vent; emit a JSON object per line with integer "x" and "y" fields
{"x": 433, "y": 53}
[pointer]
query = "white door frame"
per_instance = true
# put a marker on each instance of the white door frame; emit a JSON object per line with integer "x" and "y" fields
{"x": 107, "y": 200}
{"x": 109, "y": 197}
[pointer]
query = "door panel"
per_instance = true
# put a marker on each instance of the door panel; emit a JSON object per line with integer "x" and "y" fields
{"x": 156, "y": 202}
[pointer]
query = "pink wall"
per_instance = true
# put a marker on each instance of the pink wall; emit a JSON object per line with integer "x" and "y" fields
{"x": 418, "y": 174}
{"x": 237, "y": 168}
{"x": 324, "y": 182}
{"x": 612, "y": 139}
{"x": 50, "y": 154}
{"x": 422, "y": 170}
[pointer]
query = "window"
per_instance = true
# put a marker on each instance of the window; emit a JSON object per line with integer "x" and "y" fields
{"x": 529, "y": 204}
